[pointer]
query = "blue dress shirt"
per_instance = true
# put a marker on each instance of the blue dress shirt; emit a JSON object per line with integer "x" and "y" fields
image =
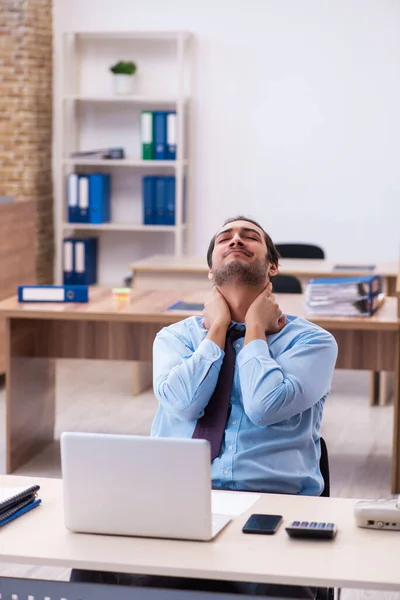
{"x": 271, "y": 441}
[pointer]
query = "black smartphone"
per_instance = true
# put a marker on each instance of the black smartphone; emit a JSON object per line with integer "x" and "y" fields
{"x": 263, "y": 524}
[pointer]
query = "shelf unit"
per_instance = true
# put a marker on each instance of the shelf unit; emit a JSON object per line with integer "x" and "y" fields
{"x": 90, "y": 117}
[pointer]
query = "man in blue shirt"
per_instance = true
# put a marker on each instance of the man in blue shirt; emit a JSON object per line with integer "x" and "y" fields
{"x": 282, "y": 376}
{"x": 283, "y": 371}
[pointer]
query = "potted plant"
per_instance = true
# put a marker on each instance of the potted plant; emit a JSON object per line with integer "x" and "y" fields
{"x": 123, "y": 72}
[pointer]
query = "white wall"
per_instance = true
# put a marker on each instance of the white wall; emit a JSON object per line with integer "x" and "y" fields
{"x": 297, "y": 113}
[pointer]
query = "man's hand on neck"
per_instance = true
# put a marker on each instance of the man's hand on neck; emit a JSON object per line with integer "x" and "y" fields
{"x": 263, "y": 317}
{"x": 239, "y": 298}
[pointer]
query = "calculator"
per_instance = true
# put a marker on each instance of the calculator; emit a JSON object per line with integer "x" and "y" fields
{"x": 312, "y": 529}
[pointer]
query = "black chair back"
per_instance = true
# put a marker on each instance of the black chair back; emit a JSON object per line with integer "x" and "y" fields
{"x": 300, "y": 251}
{"x": 286, "y": 284}
{"x": 324, "y": 467}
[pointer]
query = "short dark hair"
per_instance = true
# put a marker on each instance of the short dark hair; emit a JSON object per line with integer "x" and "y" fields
{"x": 272, "y": 252}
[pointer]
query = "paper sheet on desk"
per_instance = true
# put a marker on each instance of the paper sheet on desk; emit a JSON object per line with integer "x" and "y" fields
{"x": 231, "y": 503}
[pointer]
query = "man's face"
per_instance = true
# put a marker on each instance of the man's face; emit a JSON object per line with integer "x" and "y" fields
{"x": 240, "y": 255}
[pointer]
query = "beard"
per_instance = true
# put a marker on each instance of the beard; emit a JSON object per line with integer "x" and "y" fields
{"x": 241, "y": 273}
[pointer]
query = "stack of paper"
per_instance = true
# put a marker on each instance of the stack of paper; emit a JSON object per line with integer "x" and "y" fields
{"x": 344, "y": 296}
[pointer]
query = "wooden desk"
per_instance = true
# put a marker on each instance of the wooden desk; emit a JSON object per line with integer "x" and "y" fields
{"x": 357, "y": 558}
{"x": 39, "y": 333}
{"x": 170, "y": 272}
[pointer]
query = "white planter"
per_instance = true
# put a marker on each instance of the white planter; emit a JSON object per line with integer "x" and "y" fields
{"x": 123, "y": 84}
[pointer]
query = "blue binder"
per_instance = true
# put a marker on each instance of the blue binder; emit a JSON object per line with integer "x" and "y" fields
{"x": 83, "y": 199}
{"x": 148, "y": 197}
{"x": 72, "y": 198}
{"x": 68, "y": 261}
{"x": 85, "y": 261}
{"x": 169, "y": 211}
{"x": 363, "y": 286}
{"x": 160, "y": 135}
{"x": 53, "y": 293}
{"x": 160, "y": 200}
{"x": 99, "y": 198}
{"x": 171, "y": 135}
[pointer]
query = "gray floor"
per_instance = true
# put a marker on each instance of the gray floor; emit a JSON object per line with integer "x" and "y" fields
{"x": 96, "y": 396}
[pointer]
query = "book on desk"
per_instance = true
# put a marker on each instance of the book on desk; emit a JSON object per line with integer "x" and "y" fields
{"x": 181, "y": 305}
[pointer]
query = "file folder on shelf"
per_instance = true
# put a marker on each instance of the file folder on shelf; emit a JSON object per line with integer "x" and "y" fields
{"x": 72, "y": 196}
{"x": 160, "y": 135}
{"x": 171, "y": 135}
{"x": 53, "y": 293}
{"x": 68, "y": 261}
{"x": 169, "y": 210}
{"x": 148, "y": 197}
{"x": 146, "y": 130}
{"x": 83, "y": 199}
{"x": 85, "y": 261}
{"x": 160, "y": 200}
{"x": 99, "y": 198}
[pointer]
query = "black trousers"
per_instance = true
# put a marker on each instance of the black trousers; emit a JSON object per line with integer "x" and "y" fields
{"x": 182, "y": 583}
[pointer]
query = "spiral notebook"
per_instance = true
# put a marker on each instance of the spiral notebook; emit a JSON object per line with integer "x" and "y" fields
{"x": 15, "y": 502}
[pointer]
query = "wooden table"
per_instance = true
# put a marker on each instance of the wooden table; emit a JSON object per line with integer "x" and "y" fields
{"x": 356, "y": 558}
{"x": 169, "y": 272}
{"x": 37, "y": 334}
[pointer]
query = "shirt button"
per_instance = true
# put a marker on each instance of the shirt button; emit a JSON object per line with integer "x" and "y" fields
{"x": 232, "y": 398}
{"x": 234, "y": 422}
{"x": 237, "y": 345}
{"x": 230, "y": 447}
{"x": 226, "y": 471}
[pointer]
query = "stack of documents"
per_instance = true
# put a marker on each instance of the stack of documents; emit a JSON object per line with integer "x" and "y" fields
{"x": 344, "y": 296}
{"x": 15, "y": 502}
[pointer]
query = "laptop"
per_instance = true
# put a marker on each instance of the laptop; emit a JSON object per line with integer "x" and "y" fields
{"x": 138, "y": 486}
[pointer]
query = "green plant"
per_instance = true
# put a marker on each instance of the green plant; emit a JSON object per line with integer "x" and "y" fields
{"x": 124, "y": 67}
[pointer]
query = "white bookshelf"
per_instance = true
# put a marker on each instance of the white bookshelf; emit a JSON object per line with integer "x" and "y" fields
{"x": 120, "y": 227}
{"x": 126, "y": 162}
{"x": 91, "y": 117}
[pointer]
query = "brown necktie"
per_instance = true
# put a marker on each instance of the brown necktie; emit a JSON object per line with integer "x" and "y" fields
{"x": 211, "y": 425}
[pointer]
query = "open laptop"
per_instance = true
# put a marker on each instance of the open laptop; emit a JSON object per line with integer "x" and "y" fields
{"x": 138, "y": 486}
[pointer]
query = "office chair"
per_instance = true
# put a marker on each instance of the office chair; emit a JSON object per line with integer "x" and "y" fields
{"x": 324, "y": 468}
{"x": 286, "y": 284}
{"x": 300, "y": 251}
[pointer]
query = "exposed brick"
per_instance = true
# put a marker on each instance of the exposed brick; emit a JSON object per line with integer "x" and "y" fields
{"x": 26, "y": 116}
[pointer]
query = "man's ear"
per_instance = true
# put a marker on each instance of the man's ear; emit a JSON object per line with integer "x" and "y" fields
{"x": 210, "y": 275}
{"x": 273, "y": 270}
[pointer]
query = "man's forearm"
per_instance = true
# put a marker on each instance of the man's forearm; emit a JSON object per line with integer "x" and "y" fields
{"x": 254, "y": 331}
{"x": 217, "y": 334}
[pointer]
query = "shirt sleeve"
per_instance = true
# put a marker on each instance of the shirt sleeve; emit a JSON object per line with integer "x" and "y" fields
{"x": 276, "y": 390}
{"x": 183, "y": 379}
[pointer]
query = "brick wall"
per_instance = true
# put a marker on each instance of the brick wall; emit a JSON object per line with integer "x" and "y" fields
{"x": 26, "y": 116}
